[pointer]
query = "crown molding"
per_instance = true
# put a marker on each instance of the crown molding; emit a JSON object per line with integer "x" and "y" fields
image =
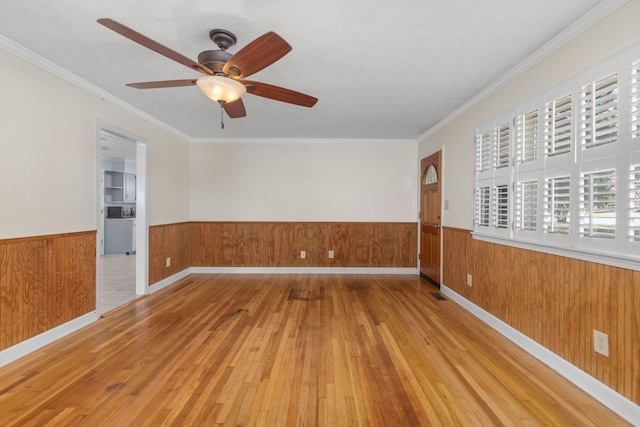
{"x": 48, "y": 66}
{"x": 595, "y": 15}
{"x": 293, "y": 140}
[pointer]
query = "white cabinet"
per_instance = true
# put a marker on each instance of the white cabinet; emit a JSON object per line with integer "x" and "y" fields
{"x": 119, "y": 187}
{"x": 129, "y": 187}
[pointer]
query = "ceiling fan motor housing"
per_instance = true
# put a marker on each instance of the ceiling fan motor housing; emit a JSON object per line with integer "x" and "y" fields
{"x": 214, "y": 59}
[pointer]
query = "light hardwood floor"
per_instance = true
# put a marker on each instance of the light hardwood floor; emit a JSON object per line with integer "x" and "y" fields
{"x": 277, "y": 350}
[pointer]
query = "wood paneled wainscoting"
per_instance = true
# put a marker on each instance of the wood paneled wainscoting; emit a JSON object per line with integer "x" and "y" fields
{"x": 45, "y": 281}
{"x": 169, "y": 241}
{"x": 556, "y": 301}
{"x": 278, "y": 244}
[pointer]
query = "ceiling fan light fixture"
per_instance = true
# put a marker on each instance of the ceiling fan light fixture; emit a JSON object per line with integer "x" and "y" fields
{"x": 221, "y": 89}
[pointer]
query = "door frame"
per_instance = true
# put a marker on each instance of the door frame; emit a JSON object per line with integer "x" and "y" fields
{"x": 423, "y": 156}
{"x": 142, "y": 228}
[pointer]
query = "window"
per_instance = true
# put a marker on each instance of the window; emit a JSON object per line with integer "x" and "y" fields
{"x": 483, "y": 206}
{"x": 527, "y": 137}
{"x": 557, "y": 205}
{"x": 558, "y": 125}
{"x": 431, "y": 177}
{"x": 501, "y": 208}
{"x": 483, "y": 153}
{"x": 503, "y": 141}
{"x": 634, "y": 204}
{"x": 598, "y": 204}
{"x": 599, "y": 113}
{"x": 634, "y": 99}
{"x": 527, "y": 206}
{"x": 566, "y": 179}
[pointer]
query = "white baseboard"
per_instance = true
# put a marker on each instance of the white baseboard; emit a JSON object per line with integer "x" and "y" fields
{"x": 607, "y": 396}
{"x": 169, "y": 280}
{"x": 276, "y": 270}
{"x": 301, "y": 270}
{"x": 19, "y": 350}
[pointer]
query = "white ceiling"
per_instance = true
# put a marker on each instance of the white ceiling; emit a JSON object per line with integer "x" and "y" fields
{"x": 380, "y": 68}
{"x": 117, "y": 147}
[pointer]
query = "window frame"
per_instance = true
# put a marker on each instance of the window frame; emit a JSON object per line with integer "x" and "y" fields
{"x": 620, "y": 155}
{"x": 523, "y": 233}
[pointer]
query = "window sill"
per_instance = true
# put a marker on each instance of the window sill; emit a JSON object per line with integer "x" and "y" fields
{"x": 615, "y": 260}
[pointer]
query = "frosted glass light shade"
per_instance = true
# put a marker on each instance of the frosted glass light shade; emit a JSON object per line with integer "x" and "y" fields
{"x": 221, "y": 88}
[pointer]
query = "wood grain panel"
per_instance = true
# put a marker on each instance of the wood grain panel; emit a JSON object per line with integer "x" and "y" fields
{"x": 74, "y": 273}
{"x": 22, "y": 286}
{"x": 169, "y": 241}
{"x": 45, "y": 281}
{"x": 456, "y": 260}
{"x": 278, "y": 244}
{"x": 556, "y": 301}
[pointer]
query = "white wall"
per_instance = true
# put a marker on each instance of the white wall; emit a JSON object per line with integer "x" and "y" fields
{"x": 346, "y": 180}
{"x": 614, "y": 33}
{"x": 48, "y": 155}
{"x": 48, "y": 167}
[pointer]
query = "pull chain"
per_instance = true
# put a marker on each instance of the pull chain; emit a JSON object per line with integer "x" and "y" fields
{"x": 221, "y": 116}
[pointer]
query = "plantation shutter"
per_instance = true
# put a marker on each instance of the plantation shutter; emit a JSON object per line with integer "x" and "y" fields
{"x": 501, "y": 206}
{"x": 634, "y": 204}
{"x": 599, "y": 113}
{"x": 635, "y": 99}
{"x": 502, "y": 146}
{"x": 557, "y": 206}
{"x": 561, "y": 170}
{"x": 598, "y": 204}
{"x": 527, "y": 137}
{"x": 527, "y": 205}
{"x": 558, "y": 123}
{"x": 483, "y": 152}
{"x": 483, "y": 206}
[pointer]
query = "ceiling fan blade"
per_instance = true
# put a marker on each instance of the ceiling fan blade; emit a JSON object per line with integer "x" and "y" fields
{"x": 163, "y": 83}
{"x": 235, "y": 109}
{"x": 259, "y": 54}
{"x": 153, "y": 45}
{"x": 279, "y": 93}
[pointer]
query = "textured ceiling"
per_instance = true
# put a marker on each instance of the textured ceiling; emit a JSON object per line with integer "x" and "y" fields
{"x": 380, "y": 68}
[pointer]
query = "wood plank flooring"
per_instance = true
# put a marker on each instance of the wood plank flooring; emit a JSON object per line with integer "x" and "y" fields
{"x": 272, "y": 350}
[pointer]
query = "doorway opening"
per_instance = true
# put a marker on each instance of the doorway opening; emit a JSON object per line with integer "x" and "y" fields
{"x": 121, "y": 248}
{"x": 430, "y": 218}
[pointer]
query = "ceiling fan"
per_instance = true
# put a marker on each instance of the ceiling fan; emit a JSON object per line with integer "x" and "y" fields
{"x": 224, "y": 73}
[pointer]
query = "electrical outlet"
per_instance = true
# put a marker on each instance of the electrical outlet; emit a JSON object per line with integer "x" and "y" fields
{"x": 330, "y": 254}
{"x": 469, "y": 280}
{"x": 446, "y": 205}
{"x": 601, "y": 343}
{"x": 303, "y": 254}
{"x": 168, "y": 261}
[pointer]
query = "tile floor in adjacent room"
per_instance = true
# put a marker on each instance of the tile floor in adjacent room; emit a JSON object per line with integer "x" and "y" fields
{"x": 117, "y": 281}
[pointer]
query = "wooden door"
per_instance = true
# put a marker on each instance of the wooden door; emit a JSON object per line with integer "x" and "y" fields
{"x": 430, "y": 218}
